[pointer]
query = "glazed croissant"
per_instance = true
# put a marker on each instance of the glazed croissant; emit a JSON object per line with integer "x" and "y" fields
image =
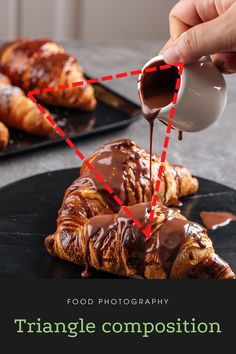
{"x": 94, "y": 232}
{"x": 18, "y": 111}
{"x": 41, "y": 64}
{"x": 4, "y": 136}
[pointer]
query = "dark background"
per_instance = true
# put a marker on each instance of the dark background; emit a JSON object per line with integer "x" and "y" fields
{"x": 204, "y": 300}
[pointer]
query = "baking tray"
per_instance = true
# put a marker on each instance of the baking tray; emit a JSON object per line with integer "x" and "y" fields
{"x": 29, "y": 210}
{"x": 113, "y": 111}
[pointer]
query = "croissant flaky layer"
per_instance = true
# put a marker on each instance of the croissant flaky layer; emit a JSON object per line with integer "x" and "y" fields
{"x": 4, "y": 79}
{"x": 43, "y": 63}
{"x": 4, "y": 136}
{"x": 94, "y": 232}
{"x": 125, "y": 167}
{"x": 18, "y": 111}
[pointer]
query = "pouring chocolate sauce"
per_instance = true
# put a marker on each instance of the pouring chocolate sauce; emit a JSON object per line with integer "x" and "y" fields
{"x": 156, "y": 90}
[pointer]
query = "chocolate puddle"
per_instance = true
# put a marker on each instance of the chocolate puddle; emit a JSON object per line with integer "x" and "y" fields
{"x": 212, "y": 220}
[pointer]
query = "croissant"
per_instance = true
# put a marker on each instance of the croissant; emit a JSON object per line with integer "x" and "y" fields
{"x": 43, "y": 63}
{"x": 92, "y": 231}
{"x": 4, "y": 79}
{"x": 4, "y": 136}
{"x": 18, "y": 111}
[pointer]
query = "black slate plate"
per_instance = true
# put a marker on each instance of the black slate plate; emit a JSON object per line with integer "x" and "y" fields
{"x": 112, "y": 112}
{"x": 28, "y": 211}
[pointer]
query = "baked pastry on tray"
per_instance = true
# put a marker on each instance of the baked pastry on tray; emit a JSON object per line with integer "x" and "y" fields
{"x": 18, "y": 111}
{"x": 4, "y": 79}
{"x": 43, "y": 63}
{"x": 94, "y": 232}
{"x": 4, "y": 136}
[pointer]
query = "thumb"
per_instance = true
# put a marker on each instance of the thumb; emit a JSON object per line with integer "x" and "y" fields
{"x": 207, "y": 38}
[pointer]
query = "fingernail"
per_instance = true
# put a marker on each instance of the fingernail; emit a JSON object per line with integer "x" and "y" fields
{"x": 171, "y": 55}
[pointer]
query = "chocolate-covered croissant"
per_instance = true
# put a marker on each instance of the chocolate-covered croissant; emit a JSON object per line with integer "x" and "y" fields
{"x": 94, "y": 232}
{"x": 43, "y": 63}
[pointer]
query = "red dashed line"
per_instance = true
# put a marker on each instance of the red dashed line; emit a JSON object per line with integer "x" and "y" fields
{"x": 89, "y": 166}
{"x": 118, "y": 200}
{"x": 137, "y": 223}
{"x": 157, "y": 187}
{"x": 98, "y": 176}
{"x": 79, "y": 154}
{"x": 31, "y": 95}
{"x": 48, "y": 89}
{"x": 166, "y": 142}
{"x": 51, "y": 120}
{"x": 106, "y": 78}
{"x": 147, "y": 230}
{"x": 152, "y": 214}
{"x": 160, "y": 170}
{"x": 127, "y": 211}
{"x": 92, "y": 81}
{"x": 163, "y": 67}
{"x": 41, "y": 108}
{"x": 69, "y": 142}
{"x": 163, "y": 156}
{"x": 135, "y": 72}
{"x": 60, "y": 132}
{"x": 108, "y": 188}
{"x": 175, "y": 98}
{"x": 154, "y": 200}
{"x": 119, "y": 76}
{"x": 63, "y": 87}
{"x": 169, "y": 127}
{"x": 172, "y": 112}
{"x": 177, "y": 85}
{"x": 150, "y": 70}
{"x": 180, "y": 65}
{"x": 78, "y": 83}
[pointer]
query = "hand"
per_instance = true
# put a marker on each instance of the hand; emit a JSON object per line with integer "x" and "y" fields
{"x": 203, "y": 27}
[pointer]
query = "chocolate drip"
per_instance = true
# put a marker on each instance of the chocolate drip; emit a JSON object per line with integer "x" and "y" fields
{"x": 112, "y": 161}
{"x": 180, "y": 135}
{"x": 156, "y": 91}
{"x": 210, "y": 268}
{"x": 213, "y": 220}
{"x": 134, "y": 242}
{"x": 172, "y": 235}
{"x": 151, "y": 123}
{"x": 98, "y": 228}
